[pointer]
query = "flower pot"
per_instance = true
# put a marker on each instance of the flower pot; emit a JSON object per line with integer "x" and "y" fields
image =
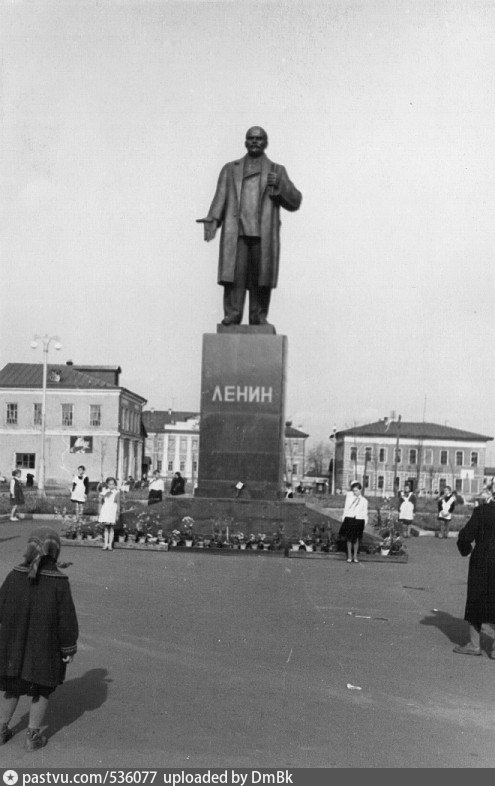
{"x": 189, "y": 543}
{"x": 295, "y": 547}
{"x": 174, "y": 543}
{"x": 309, "y": 548}
{"x": 79, "y": 536}
{"x": 243, "y": 547}
{"x": 207, "y": 542}
{"x": 384, "y": 552}
{"x": 200, "y": 544}
{"x": 121, "y": 538}
{"x": 142, "y": 540}
{"x": 235, "y": 545}
{"x": 254, "y": 546}
{"x": 163, "y": 546}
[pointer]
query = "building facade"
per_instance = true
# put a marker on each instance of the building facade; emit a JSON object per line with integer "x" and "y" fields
{"x": 385, "y": 455}
{"x": 172, "y": 445}
{"x": 90, "y": 420}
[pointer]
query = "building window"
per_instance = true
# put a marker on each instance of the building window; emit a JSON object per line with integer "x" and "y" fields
{"x": 295, "y": 469}
{"x": 428, "y": 456}
{"x": 170, "y": 466}
{"x": 95, "y": 415}
{"x": 159, "y": 466}
{"x": 195, "y": 443}
{"x": 381, "y": 481}
{"x": 413, "y": 456}
{"x": 12, "y": 414}
{"x": 183, "y": 444}
{"x": 182, "y": 466}
{"x": 474, "y": 458}
{"x": 459, "y": 458}
{"x": 25, "y": 460}
{"x": 458, "y": 484}
{"x": 67, "y": 414}
{"x": 441, "y": 485}
{"x": 367, "y": 454}
{"x": 195, "y": 466}
{"x": 398, "y": 455}
{"x": 37, "y": 415}
{"x": 444, "y": 457}
{"x": 366, "y": 481}
{"x": 382, "y": 456}
{"x": 353, "y": 454}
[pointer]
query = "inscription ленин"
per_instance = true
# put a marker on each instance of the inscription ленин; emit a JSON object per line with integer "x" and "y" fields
{"x": 245, "y": 393}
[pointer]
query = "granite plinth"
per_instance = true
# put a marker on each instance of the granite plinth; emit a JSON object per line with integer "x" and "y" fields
{"x": 242, "y": 414}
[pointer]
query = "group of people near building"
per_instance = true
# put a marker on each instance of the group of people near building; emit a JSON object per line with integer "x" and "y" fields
{"x": 355, "y": 515}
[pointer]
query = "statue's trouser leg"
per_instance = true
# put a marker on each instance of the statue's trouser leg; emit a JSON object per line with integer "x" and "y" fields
{"x": 234, "y": 294}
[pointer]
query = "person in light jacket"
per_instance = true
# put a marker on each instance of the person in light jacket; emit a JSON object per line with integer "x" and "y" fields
{"x": 354, "y": 520}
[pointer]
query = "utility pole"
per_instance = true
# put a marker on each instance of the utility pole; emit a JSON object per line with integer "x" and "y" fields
{"x": 396, "y": 461}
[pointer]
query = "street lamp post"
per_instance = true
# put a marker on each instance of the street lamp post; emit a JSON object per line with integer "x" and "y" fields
{"x": 45, "y": 341}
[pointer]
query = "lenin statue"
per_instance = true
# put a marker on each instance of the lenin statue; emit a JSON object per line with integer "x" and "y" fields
{"x": 246, "y": 205}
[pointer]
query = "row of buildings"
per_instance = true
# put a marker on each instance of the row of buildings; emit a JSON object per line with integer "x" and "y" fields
{"x": 92, "y": 419}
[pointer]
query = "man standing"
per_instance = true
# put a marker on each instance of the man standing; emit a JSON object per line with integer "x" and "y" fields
{"x": 246, "y": 205}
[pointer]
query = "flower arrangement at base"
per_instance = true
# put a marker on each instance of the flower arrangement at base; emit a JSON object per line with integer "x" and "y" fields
{"x": 187, "y": 534}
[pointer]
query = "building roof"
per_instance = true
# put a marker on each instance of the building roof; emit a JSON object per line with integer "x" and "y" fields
{"x": 382, "y": 428}
{"x": 157, "y": 421}
{"x": 63, "y": 377}
{"x": 294, "y": 433}
{"x": 30, "y": 375}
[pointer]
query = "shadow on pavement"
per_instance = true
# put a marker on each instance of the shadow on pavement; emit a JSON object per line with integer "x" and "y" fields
{"x": 456, "y": 629}
{"x": 73, "y": 699}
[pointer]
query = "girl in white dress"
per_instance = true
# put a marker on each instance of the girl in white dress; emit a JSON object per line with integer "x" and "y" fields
{"x": 110, "y": 499}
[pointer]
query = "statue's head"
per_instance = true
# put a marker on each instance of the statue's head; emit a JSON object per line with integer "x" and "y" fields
{"x": 256, "y": 141}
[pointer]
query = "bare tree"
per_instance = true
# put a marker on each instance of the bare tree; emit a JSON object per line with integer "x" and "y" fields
{"x": 318, "y": 458}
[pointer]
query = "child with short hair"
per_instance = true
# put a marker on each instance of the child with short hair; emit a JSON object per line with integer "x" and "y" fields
{"x": 38, "y": 634}
{"x": 16, "y": 494}
{"x": 110, "y": 508}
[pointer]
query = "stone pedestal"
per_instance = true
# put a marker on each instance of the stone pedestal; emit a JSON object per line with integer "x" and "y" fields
{"x": 242, "y": 414}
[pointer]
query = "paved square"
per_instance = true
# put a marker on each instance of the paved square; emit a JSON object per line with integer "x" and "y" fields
{"x": 192, "y": 660}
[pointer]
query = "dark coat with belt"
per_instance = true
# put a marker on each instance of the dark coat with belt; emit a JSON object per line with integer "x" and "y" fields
{"x": 38, "y": 626}
{"x": 225, "y": 209}
{"x": 480, "y": 530}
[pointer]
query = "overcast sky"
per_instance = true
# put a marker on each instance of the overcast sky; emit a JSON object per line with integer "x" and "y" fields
{"x": 117, "y": 118}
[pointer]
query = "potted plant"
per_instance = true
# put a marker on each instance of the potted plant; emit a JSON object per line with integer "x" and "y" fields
{"x": 187, "y": 531}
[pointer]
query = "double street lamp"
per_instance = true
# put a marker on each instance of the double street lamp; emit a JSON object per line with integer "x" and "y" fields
{"x": 45, "y": 342}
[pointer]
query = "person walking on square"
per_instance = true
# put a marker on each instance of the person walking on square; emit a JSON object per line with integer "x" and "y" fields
{"x": 155, "y": 489}
{"x": 80, "y": 488}
{"x": 38, "y": 634}
{"x": 480, "y": 601}
{"x": 354, "y": 520}
{"x": 16, "y": 494}
{"x": 407, "y": 508}
{"x": 109, "y": 512}
{"x": 446, "y": 506}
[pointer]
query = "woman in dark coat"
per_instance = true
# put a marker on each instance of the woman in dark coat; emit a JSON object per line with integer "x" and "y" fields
{"x": 177, "y": 486}
{"x": 480, "y": 603}
{"x": 38, "y": 633}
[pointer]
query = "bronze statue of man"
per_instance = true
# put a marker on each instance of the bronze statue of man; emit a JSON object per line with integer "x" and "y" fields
{"x": 246, "y": 205}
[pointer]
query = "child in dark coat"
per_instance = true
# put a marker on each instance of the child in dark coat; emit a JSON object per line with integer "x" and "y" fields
{"x": 38, "y": 634}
